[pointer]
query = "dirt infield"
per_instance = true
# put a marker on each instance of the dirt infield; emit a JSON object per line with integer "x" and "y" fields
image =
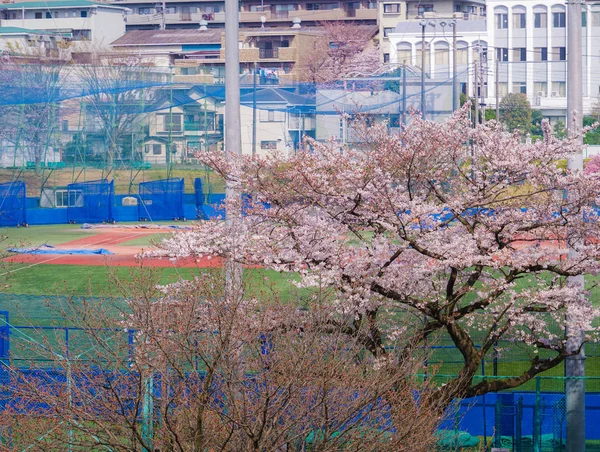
{"x": 111, "y": 240}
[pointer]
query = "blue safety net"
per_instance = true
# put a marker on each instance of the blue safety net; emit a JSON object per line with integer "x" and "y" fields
{"x": 90, "y": 202}
{"x": 198, "y": 192}
{"x": 12, "y": 203}
{"x": 161, "y": 200}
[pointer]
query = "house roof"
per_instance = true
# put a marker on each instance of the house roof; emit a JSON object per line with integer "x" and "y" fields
{"x": 22, "y": 31}
{"x": 371, "y": 30}
{"x": 168, "y": 37}
{"x": 276, "y": 95}
{"x": 58, "y": 4}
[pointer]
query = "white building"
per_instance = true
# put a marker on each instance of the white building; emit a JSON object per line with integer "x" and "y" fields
{"x": 20, "y": 41}
{"x": 471, "y": 46}
{"x": 87, "y": 22}
{"x": 530, "y": 46}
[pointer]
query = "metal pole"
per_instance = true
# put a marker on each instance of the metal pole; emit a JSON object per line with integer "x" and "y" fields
{"x": 163, "y": 23}
{"x": 233, "y": 139}
{"x": 455, "y": 93}
{"x": 254, "y": 111}
{"x": 423, "y": 25}
{"x": 476, "y": 96}
{"x": 404, "y": 92}
{"x": 497, "y": 93}
{"x": 574, "y": 365}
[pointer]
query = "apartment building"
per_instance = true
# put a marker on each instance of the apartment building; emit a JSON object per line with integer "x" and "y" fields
{"x": 86, "y": 22}
{"x": 529, "y": 41}
{"x": 22, "y": 42}
{"x": 253, "y": 13}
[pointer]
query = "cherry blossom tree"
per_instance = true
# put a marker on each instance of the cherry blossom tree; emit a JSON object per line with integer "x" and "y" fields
{"x": 442, "y": 231}
{"x": 341, "y": 50}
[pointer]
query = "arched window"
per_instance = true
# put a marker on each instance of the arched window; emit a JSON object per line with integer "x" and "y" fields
{"x": 462, "y": 53}
{"x": 519, "y": 17}
{"x": 403, "y": 51}
{"x": 501, "y": 17}
{"x": 559, "y": 16}
{"x": 540, "y": 16}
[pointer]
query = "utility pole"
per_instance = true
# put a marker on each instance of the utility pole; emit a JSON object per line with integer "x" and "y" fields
{"x": 233, "y": 139}
{"x": 423, "y": 25}
{"x": 254, "y": 111}
{"x": 404, "y": 92}
{"x": 455, "y": 93}
{"x": 163, "y": 20}
{"x": 497, "y": 94}
{"x": 476, "y": 96}
{"x": 574, "y": 365}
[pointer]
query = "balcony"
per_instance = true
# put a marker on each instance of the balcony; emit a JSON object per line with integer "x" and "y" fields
{"x": 304, "y": 123}
{"x": 175, "y": 18}
{"x": 265, "y": 54}
{"x": 198, "y": 126}
{"x": 195, "y": 79}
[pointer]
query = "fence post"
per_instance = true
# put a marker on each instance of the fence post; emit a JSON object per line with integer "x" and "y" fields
{"x": 519, "y": 426}
{"x": 497, "y": 422}
{"x": 537, "y": 417}
{"x": 130, "y": 346}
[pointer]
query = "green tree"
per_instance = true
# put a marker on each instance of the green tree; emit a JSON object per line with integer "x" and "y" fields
{"x": 515, "y": 112}
{"x": 593, "y": 136}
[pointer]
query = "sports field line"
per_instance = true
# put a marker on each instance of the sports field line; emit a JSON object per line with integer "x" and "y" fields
{"x": 29, "y": 266}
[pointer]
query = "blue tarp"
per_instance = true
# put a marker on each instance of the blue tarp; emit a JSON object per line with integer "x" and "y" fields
{"x": 47, "y": 249}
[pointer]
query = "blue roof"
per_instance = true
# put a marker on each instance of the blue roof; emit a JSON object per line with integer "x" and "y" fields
{"x": 277, "y": 95}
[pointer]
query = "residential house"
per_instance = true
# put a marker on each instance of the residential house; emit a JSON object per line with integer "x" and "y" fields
{"x": 183, "y": 121}
{"x": 87, "y": 22}
{"x": 22, "y": 42}
{"x": 282, "y": 120}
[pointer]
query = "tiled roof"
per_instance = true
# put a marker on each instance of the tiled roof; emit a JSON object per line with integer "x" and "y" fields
{"x": 162, "y": 37}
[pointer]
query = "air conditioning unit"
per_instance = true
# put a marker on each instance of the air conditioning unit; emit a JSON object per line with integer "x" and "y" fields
{"x": 540, "y": 93}
{"x": 554, "y": 94}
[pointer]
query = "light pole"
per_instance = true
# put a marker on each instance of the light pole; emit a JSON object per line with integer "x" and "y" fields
{"x": 233, "y": 141}
{"x": 574, "y": 365}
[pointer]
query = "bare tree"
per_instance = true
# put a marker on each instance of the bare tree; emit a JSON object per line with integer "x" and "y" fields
{"x": 209, "y": 373}
{"x": 341, "y": 50}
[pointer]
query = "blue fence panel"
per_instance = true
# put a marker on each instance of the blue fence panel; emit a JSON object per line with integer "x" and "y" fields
{"x": 13, "y": 199}
{"x": 90, "y": 202}
{"x": 161, "y": 200}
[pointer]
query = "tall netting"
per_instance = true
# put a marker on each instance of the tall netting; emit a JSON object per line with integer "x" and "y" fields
{"x": 161, "y": 200}
{"x": 90, "y": 202}
{"x": 12, "y": 203}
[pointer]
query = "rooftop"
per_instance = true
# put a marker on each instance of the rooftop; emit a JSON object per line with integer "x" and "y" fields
{"x": 162, "y": 37}
{"x": 276, "y": 95}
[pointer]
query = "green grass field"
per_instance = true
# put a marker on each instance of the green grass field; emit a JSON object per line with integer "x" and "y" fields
{"x": 31, "y": 293}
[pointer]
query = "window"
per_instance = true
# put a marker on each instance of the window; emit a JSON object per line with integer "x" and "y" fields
{"x": 540, "y": 20}
{"x": 540, "y": 88}
{"x": 584, "y": 19}
{"x": 559, "y": 89}
{"x": 559, "y": 53}
{"x": 38, "y": 15}
{"x": 170, "y": 10}
{"x": 312, "y": 6}
{"x": 520, "y": 87}
{"x": 48, "y": 15}
{"x": 457, "y": 8}
{"x": 169, "y": 122}
{"x": 501, "y": 21}
{"x": 386, "y": 57}
{"x": 540, "y": 54}
{"x": 156, "y": 149}
{"x": 422, "y": 9}
{"x": 502, "y": 89}
{"x": 387, "y": 31}
{"x": 519, "y": 20}
{"x": 595, "y": 18}
{"x": 82, "y": 35}
{"x": 502, "y": 54}
{"x": 559, "y": 20}
{"x": 144, "y": 11}
{"x": 268, "y": 145}
{"x": 68, "y": 198}
{"x": 65, "y": 125}
{"x": 83, "y": 13}
{"x": 391, "y": 8}
{"x": 271, "y": 116}
{"x": 520, "y": 54}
